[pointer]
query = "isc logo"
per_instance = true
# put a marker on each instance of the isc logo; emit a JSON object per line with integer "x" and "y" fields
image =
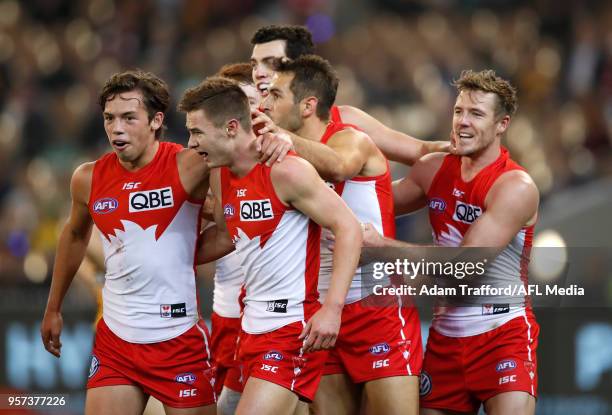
{"x": 251, "y": 210}
{"x": 151, "y": 200}
{"x": 377, "y": 364}
{"x": 507, "y": 379}
{"x": 466, "y": 213}
{"x": 105, "y": 205}
{"x": 269, "y": 368}
{"x": 186, "y": 393}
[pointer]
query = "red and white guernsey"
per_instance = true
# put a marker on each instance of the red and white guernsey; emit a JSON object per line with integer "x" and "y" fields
{"x": 228, "y": 283}
{"x": 453, "y": 206}
{"x": 279, "y": 251}
{"x": 149, "y": 227}
{"x": 371, "y": 200}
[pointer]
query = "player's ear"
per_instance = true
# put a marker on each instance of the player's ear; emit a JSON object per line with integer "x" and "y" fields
{"x": 502, "y": 124}
{"x": 157, "y": 121}
{"x": 231, "y": 128}
{"x": 309, "y": 107}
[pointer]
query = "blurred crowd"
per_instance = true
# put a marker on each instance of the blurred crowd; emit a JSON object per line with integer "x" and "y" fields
{"x": 396, "y": 59}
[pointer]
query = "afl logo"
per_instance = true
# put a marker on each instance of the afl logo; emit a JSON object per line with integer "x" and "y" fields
{"x": 273, "y": 355}
{"x": 380, "y": 348}
{"x": 105, "y": 205}
{"x": 187, "y": 378}
{"x": 437, "y": 204}
{"x": 94, "y": 366}
{"x": 505, "y": 365}
{"x": 424, "y": 384}
{"x": 229, "y": 211}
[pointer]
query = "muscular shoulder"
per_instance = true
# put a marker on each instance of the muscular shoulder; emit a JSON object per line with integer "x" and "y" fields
{"x": 350, "y": 136}
{"x": 515, "y": 190}
{"x": 352, "y": 115}
{"x": 189, "y": 159}
{"x": 291, "y": 170}
{"x": 80, "y": 185}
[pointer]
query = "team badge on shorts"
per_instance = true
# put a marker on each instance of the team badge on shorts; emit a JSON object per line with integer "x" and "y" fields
{"x": 93, "y": 366}
{"x": 424, "y": 384}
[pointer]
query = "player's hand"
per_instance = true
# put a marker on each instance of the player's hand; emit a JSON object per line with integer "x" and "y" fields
{"x": 321, "y": 330}
{"x": 371, "y": 237}
{"x": 274, "y": 147}
{"x": 50, "y": 331}
{"x": 453, "y": 143}
{"x": 262, "y": 124}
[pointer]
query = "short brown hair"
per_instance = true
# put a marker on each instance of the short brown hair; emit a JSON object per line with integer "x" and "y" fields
{"x": 241, "y": 72}
{"x": 154, "y": 91}
{"x": 221, "y": 99}
{"x": 313, "y": 76}
{"x": 488, "y": 81}
{"x": 298, "y": 40}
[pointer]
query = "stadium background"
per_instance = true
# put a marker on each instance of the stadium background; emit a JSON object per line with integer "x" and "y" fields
{"x": 395, "y": 59}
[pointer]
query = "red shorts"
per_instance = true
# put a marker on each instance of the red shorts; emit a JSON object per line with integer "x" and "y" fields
{"x": 177, "y": 372}
{"x": 377, "y": 341}
{"x": 277, "y": 357}
{"x": 225, "y": 332}
{"x": 461, "y": 372}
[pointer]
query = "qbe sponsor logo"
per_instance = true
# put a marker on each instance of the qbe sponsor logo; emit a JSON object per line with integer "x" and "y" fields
{"x": 253, "y": 210}
{"x": 277, "y": 306}
{"x": 380, "y": 349}
{"x": 105, "y": 205}
{"x": 187, "y": 378}
{"x": 151, "y": 200}
{"x": 437, "y": 205}
{"x": 93, "y": 366}
{"x": 425, "y": 384}
{"x": 273, "y": 355}
{"x": 505, "y": 365}
{"x": 466, "y": 213}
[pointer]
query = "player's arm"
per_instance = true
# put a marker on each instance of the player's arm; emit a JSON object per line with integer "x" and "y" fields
{"x": 296, "y": 182}
{"x": 71, "y": 248}
{"x": 511, "y": 204}
{"x": 342, "y": 158}
{"x": 215, "y": 241}
{"x": 395, "y": 145}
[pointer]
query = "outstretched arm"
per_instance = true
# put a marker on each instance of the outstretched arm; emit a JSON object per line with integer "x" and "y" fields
{"x": 395, "y": 145}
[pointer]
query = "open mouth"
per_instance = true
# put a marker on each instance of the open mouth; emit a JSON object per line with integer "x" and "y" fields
{"x": 465, "y": 136}
{"x": 120, "y": 144}
{"x": 203, "y": 154}
{"x": 263, "y": 87}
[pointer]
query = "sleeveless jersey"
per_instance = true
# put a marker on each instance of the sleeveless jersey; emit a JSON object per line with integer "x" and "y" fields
{"x": 279, "y": 251}
{"x": 453, "y": 206}
{"x": 149, "y": 227}
{"x": 371, "y": 200}
{"x": 228, "y": 282}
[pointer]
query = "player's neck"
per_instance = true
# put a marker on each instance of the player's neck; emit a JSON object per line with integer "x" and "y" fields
{"x": 312, "y": 129}
{"x": 145, "y": 158}
{"x": 245, "y": 156}
{"x": 472, "y": 165}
